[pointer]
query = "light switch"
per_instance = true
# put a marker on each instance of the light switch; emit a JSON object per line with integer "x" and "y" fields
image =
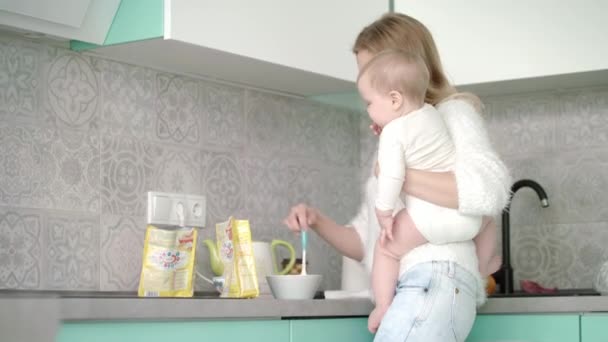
{"x": 168, "y": 209}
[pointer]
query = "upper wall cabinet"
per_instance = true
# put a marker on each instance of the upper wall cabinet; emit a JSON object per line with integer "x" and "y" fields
{"x": 298, "y": 47}
{"x": 517, "y": 45}
{"x": 87, "y": 20}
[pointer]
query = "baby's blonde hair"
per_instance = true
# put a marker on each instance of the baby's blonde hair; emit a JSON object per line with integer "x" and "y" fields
{"x": 402, "y": 32}
{"x": 395, "y": 70}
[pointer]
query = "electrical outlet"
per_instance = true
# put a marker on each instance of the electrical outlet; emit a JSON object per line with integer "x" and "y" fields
{"x": 174, "y": 209}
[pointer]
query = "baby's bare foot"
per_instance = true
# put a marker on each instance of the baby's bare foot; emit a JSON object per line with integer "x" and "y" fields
{"x": 373, "y": 322}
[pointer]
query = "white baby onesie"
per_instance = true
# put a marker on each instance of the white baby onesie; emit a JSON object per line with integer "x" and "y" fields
{"x": 420, "y": 140}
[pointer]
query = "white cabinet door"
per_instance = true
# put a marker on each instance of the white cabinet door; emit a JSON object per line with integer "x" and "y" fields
{"x": 314, "y": 36}
{"x": 490, "y": 40}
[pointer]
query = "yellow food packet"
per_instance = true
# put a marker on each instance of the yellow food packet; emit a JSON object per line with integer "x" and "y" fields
{"x": 168, "y": 262}
{"x": 236, "y": 253}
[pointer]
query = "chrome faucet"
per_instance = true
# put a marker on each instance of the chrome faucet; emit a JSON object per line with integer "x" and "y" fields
{"x": 504, "y": 276}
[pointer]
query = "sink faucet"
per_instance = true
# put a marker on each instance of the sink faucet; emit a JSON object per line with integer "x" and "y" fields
{"x": 505, "y": 274}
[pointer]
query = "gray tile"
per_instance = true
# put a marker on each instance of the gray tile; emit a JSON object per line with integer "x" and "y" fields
{"x": 122, "y": 240}
{"x": 76, "y": 186}
{"x": 177, "y": 170}
{"x": 340, "y": 193}
{"x": 127, "y": 167}
{"x": 268, "y": 118}
{"x": 561, "y": 255}
{"x": 128, "y": 95}
{"x": 224, "y": 115}
{"x": 522, "y": 123}
{"x": 583, "y": 118}
{"x": 178, "y": 118}
{"x": 20, "y": 83}
{"x": 21, "y": 248}
{"x": 306, "y": 134}
{"x": 266, "y": 184}
{"x": 27, "y": 165}
{"x": 48, "y": 168}
{"x": 304, "y": 184}
{"x": 223, "y": 184}
{"x": 341, "y": 129}
{"x": 583, "y": 181}
{"x": 72, "y": 252}
{"x": 72, "y": 89}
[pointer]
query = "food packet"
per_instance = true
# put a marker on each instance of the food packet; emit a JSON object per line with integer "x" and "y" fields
{"x": 168, "y": 262}
{"x": 236, "y": 253}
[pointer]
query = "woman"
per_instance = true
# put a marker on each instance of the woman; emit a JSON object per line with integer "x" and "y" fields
{"x": 439, "y": 285}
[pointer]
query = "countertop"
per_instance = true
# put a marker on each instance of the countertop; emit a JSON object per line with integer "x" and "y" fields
{"x": 45, "y": 310}
{"x": 120, "y": 305}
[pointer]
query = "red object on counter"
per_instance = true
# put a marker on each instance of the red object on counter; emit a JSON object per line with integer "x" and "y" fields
{"x": 529, "y": 286}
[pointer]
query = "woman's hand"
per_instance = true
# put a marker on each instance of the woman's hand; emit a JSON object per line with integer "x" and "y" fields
{"x": 301, "y": 217}
{"x": 345, "y": 239}
{"x": 436, "y": 187}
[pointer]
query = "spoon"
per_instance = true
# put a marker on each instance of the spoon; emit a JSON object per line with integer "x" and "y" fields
{"x": 304, "y": 237}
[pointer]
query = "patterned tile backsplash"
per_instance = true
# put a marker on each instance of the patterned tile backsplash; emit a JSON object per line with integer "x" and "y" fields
{"x": 559, "y": 139}
{"x": 83, "y": 138}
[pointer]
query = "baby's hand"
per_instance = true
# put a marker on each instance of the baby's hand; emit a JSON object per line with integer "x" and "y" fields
{"x": 385, "y": 219}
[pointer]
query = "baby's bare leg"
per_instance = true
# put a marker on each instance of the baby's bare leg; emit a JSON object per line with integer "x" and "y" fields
{"x": 385, "y": 270}
{"x": 485, "y": 243}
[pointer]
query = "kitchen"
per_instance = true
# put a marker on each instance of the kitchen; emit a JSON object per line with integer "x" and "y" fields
{"x": 86, "y": 134}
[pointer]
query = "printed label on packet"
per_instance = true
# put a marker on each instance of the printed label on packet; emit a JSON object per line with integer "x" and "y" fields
{"x": 236, "y": 252}
{"x": 168, "y": 262}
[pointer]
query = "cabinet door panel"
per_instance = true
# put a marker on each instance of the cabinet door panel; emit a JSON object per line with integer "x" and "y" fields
{"x": 250, "y": 331}
{"x": 594, "y": 328}
{"x": 528, "y": 328}
{"x": 330, "y": 330}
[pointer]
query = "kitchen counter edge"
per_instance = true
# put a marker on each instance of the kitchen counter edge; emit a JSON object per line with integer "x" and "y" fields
{"x": 75, "y": 309}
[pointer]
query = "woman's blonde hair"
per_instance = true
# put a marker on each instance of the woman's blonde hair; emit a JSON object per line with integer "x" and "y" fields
{"x": 401, "y": 32}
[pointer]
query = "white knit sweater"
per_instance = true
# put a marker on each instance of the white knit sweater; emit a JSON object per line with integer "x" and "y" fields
{"x": 482, "y": 179}
{"x": 483, "y": 189}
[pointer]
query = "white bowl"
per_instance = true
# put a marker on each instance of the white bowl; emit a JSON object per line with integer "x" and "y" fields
{"x": 294, "y": 286}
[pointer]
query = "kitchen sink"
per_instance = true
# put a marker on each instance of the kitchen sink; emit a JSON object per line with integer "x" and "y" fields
{"x": 558, "y": 293}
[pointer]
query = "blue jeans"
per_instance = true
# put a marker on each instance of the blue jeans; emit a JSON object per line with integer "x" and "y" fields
{"x": 434, "y": 301}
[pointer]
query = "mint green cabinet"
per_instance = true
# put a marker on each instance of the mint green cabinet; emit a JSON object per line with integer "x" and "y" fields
{"x": 594, "y": 328}
{"x": 330, "y": 330}
{"x": 246, "y": 331}
{"x": 528, "y": 328}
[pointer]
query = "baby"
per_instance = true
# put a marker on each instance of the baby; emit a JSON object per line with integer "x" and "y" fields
{"x": 393, "y": 85}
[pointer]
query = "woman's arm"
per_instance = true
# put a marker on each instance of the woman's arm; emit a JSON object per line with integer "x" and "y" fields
{"x": 480, "y": 183}
{"x": 346, "y": 240}
{"x": 482, "y": 180}
{"x": 435, "y": 187}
